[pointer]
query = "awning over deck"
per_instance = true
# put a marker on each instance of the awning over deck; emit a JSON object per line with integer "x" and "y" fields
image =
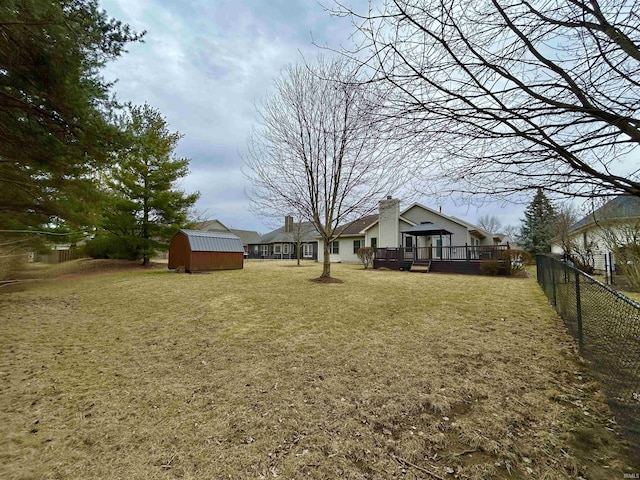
{"x": 425, "y": 229}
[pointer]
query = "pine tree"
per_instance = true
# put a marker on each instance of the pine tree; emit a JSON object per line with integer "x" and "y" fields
{"x": 538, "y": 226}
{"x": 145, "y": 209}
{"x": 55, "y": 126}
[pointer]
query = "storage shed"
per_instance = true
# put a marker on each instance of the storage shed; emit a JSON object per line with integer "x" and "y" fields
{"x": 198, "y": 251}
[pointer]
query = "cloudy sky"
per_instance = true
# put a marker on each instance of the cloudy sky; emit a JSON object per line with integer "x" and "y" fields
{"x": 204, "y": 65}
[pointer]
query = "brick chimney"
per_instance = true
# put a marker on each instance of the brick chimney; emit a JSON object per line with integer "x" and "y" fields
{"x": 389, "y": 223}
{"x": 288, "y": 224}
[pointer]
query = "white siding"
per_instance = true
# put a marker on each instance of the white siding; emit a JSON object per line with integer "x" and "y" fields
{"x": 346, "y": 254}
{"x": 373, "y": 232}
{"x": 460, "y": 233}
{"x": 389, "y": 223}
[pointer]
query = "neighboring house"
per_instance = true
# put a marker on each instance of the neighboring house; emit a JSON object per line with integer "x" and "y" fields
{"x": 214, "y": 225}
{"x": 588, "y": 235}
{"x": 282, "y": 243}
{"x": 247, "y": 237}
{"x": 415, "y": 226}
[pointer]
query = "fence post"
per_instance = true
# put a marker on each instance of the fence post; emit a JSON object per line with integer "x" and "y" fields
{"x": 610, "y": 255}
{"x": 553, "y": 282}
{"x": 579, "y": 311}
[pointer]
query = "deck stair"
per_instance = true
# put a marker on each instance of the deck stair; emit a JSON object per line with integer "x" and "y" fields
{"x": 420, "y": 266}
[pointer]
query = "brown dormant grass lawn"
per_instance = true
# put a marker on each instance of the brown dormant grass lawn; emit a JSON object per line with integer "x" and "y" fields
{"x": 260, "y": 373}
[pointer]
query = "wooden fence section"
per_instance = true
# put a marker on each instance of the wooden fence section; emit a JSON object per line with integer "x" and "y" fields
{"x": 59, "y": 256}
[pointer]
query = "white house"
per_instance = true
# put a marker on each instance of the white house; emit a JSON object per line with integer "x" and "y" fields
{"x": 415, "y": 226}
{"x": 617, "y": 219}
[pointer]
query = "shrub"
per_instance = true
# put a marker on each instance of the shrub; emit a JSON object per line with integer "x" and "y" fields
{"x": 490, "y": 267}
{"x": 366, "y": 255}
{"x": 583, "y": 260}
{"x": 628, "y": 258}
{"x": 111, "y": 246}
{"x": 516, "y": 260}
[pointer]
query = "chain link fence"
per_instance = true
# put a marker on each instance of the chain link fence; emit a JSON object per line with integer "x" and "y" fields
{"x": 607, "y": 327}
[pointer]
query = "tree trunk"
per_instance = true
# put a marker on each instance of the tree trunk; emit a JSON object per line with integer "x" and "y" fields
{"x": 326, "y": 264}
{"x": 298, "y": 248}
{"x": 145, "y": 260}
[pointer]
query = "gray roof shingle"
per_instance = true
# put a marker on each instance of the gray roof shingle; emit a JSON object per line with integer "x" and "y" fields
{"x": 307, "y": 234}
{"x": 355, "y": 227}
{"x": 623, "y": 206}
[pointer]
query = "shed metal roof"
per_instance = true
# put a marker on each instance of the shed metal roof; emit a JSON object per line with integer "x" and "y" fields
{"x": 213, "y": 241}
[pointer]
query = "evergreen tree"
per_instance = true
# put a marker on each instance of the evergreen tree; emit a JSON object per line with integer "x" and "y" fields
{"x": 539, "y": 224}
{"x": 145, "y": 209}
{"x": 55, "y": 130}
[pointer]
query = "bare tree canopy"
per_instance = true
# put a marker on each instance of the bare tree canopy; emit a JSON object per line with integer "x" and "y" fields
{"x": 317, "y": 152}
{"x": 512, "y": 95}
{"x": 490, "y": 223}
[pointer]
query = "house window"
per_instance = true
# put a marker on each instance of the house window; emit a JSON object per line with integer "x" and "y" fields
{"x": 277, "y": 249}
{"x": 374, "y": 242}
{"x": 285, "y": 249}
{"x": 335, "y": 247}
{"x": 356, "y": 246}
{"x": 265, "y": 250}
{"x": 307, "y": 250}
{"x": 585, "y": 240}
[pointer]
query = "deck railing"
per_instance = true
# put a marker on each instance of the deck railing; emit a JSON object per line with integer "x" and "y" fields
{"x": 464, "y": 253}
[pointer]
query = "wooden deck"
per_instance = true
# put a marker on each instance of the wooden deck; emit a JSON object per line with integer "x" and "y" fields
{"x": 455, "y": 259}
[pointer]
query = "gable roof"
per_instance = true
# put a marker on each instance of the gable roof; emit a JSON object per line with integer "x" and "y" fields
{"x": 356, "y": 227}
{"x": 436, "y": 212}
{"x": 212, "y": 225}
{"x": 201, "y": 241}
{"x": 618, "y": 208}
{"x": 481, "y": 232}
{"x": 307, "y": 234}
{"x": 247, "y": 236}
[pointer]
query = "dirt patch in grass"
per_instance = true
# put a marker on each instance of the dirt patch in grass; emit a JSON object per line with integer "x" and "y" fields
{"x": 326, "y": 280}
{"x": 260, "y": 373}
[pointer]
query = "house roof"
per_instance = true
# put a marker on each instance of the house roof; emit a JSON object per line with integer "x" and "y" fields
{"x": 426, "y": 228}
{"x": 247, "y": 236}
{"x": 480, "y": 232}
{"x": 416, "y": 204}
{"x": 621, "y": 207}
{"x": 201, "y": 241}
{"x": 307, "y": 234}
{"x": 356, "y": 227}
{"x": 212, "y": 225}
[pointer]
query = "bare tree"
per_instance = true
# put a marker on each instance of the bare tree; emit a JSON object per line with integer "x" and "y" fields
{"x": 512, "y": 95}
{"x": 301, "y": 231}
{"x": 580, "y": 253}
{"x": 318, "y": 151}
{"x": 511, "y": 231}
{"x": 490, "y": 223}
{"x": 566, "y": 217}
{"x": 623, "y": 239}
